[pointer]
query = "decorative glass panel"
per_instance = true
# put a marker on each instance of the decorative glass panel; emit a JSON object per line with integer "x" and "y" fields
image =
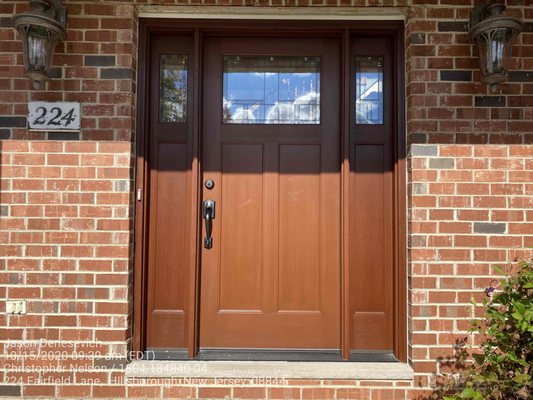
{"x": 173, "y": 88}
{"x": 271, "y": 90}
{"x": 369, "y": 90}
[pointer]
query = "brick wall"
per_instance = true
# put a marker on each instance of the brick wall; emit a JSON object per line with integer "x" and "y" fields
{"x": 65, "y": 215}
{"x": 470, "y": 175}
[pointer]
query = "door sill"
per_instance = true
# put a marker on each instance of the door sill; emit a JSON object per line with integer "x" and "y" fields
{"x": 269, "y": 369}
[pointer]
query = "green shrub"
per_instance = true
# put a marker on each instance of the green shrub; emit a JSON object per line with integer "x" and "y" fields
{"x": 503, "y": 365}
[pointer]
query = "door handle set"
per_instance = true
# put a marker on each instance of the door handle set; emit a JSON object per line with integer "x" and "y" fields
{"x": 208, "y": 212}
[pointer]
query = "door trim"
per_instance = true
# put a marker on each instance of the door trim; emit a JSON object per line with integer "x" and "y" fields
{"x": 154, "y": 11}
{"x": 199, "y": 28}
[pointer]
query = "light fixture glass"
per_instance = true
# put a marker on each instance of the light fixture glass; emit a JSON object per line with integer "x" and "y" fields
{"x": 494, "y": 35}
{"x": 42, "y": 29}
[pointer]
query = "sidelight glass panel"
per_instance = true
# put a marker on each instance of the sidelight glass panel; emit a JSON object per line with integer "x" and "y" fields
{"x": 173, "y": 88}
{"x": 369, "y": 90}
{"x": 271, "y": 90}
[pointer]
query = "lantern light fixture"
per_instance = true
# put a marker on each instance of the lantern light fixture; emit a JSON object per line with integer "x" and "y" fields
{"x": 494, "y": 35}
{"x": 42, "y": 29}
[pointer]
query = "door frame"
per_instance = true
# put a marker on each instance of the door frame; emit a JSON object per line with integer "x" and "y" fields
{"x": 198, "y": 29}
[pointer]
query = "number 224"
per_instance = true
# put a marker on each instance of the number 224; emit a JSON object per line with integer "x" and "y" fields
{"x": 56, "y": 118}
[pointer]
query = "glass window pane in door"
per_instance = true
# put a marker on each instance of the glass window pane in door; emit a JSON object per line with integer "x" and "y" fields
{"x": 271, "y": 90}
{"x": 369, "y": 90}
{"x": 173, "y": 88}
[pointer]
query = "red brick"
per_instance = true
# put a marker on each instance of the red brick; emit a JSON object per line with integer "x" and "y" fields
{"x": 506, "y": 241}
{"x": 284, "y": 393}
{"x": 471, "y": 163}
{"x": 249, "y": 393}
{"x": 455, "y": 201}
{"x": 318, "y": 393}
{"x": 63, "y": 320}
{"x": 507, "y": 163}
{"x": 15, "y": 146}
{"x": 143, "y": 391}
{"x": 470, "y": 241}
{"x": 455, "y": 176}
{"x": 439, "y": 214}
{"x": 455, "y": 227}
{"x": 455, "y": 151}
{"x": 44, "y": 172}
{"x": 214, "y": 392}
{"x": 28, "y": 184}
{"x": 179, "y": 392}
{"x": 77, "y": 251}
{"x": 24, "y": 292}
{"x": 60, "y": 211}
{"x": 507, "y": 215}
{"x": 521, "y": 151}
{"x": 472, "y": 188}
{"x": 490, "y": 255}
{"x": 26, "y": 211}
{"x": 353, "y": 393}
{"x": 44, "y": 224}
{"x": 473, "y": 215}
{"x": 454, "y": 255}
{"x": 39, "y": 390}
{"x": 28, "y": 159}
{"x": 62, "y": 159}
{"x": 489, "y": 202}
{"x": 109, "y": 391}
{"x": 41, "y": 251}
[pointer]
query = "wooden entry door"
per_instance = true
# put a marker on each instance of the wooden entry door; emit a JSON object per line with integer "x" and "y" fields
{"x": 289, "y": 268}
{"x": 271, "y": 135}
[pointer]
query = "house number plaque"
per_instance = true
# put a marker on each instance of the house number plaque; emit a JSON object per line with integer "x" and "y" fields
{"x": 54, "y": 116}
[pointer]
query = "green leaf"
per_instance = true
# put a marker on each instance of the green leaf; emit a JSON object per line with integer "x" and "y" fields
{"x": 522, "y": 378}
{"x": 521, "y": 308}
{"x": 491, "y": 376}
{"x": 470, "y": 393}
{"x": 523, "y": 362}
{"x": 480, "y": 358}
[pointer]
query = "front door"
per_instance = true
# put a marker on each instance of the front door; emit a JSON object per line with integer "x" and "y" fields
{"x": 272, "y": 215}
{"x": 270, "y": 276}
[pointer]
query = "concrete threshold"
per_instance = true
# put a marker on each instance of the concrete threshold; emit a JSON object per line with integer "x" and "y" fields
{"x": 269, "y": 369}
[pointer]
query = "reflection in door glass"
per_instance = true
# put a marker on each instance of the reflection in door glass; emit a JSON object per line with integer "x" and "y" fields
{"x": 173, "y": 88}
{"x": 369, "y": 90}
{"x": 271, "y": 90}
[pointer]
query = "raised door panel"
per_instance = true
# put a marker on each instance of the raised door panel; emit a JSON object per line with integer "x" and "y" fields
{"x": 371, "y": 280}
{"x": 299, "y": 228}
{"x": 240, "y": 218}
{"x": 167, "y": 272}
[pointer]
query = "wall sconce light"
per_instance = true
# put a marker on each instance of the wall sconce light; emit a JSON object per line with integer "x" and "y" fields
{"x": 42, "y": 29}
{"x": 493, "y": 35}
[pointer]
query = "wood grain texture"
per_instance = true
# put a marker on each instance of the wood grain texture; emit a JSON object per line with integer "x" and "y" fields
{"x": 372, "y": 265}
{"x": 272, "y": 278}
{"x": 169, "y": 209}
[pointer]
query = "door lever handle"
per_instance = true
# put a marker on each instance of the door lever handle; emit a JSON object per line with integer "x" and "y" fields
{"x": 209, "y": 216}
